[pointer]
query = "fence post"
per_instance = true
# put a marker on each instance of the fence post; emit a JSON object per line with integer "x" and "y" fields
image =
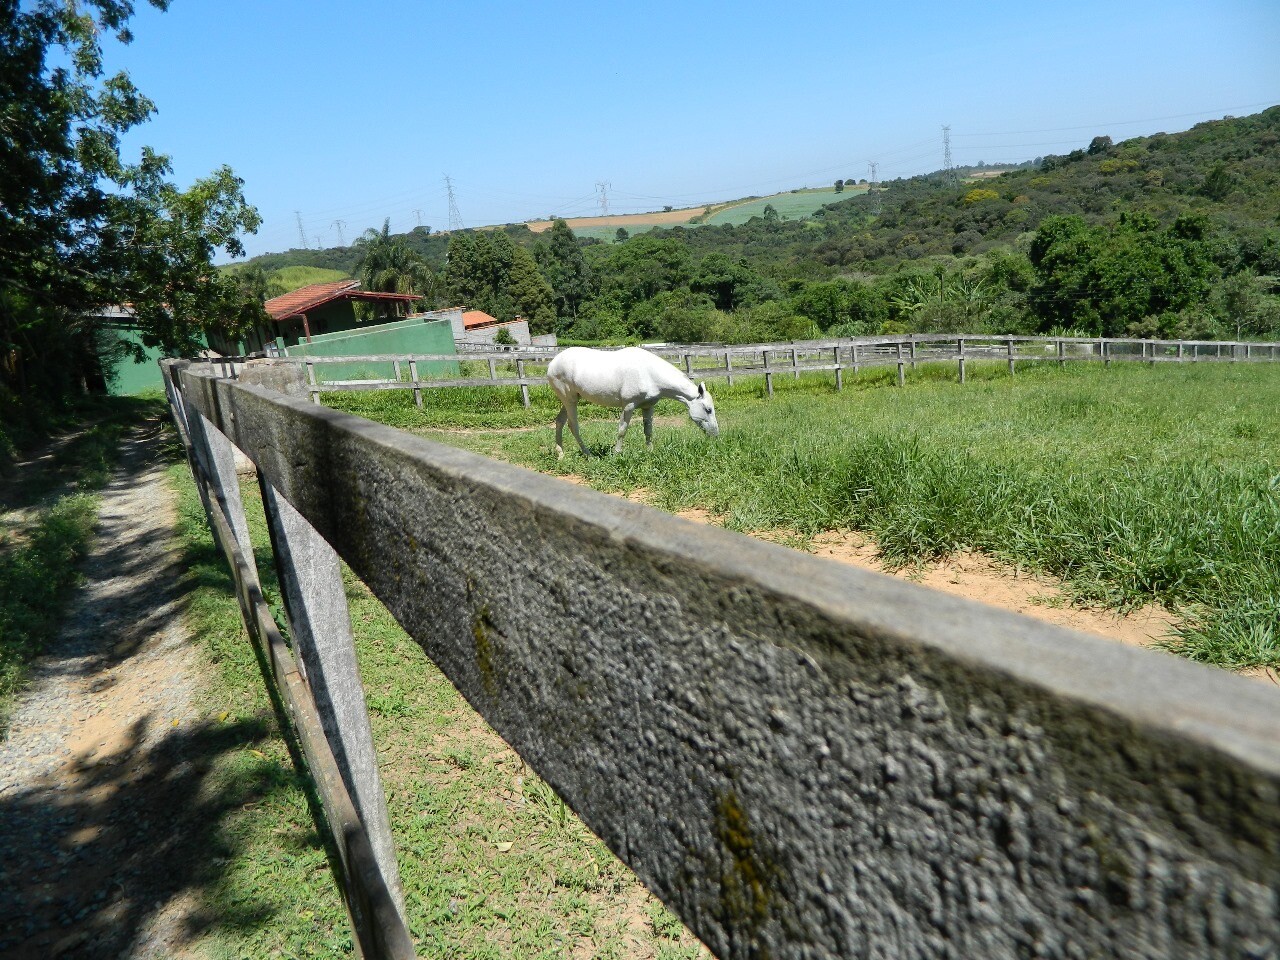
{"x": 795, "y": 365}
{"x": 315, "y": 603}
{"x": 913, "y": 353}
{"x": 688, "y": 368}
{"x": 1062, "y": 353}
{"x": 524, "y": 387}
{"x": 902, "y": 376}
{"x": 218, "y": 458}
{"x": 1179, "y": 349}
{"x": 835, "y": 355}
{"x": 1106, "y": 352}
{"x": 1151, "y": 353}
{"x": 1009, "y": 350}
{"x": 768, "y": 375}
{"x": 311, "y": 379}
{"x": 417, "y": 385}
{"x": 728, "y": 366}
{"x": 395, "y": 370}
{"x": 854, "y": 357}
{"x": 959, "y": 355}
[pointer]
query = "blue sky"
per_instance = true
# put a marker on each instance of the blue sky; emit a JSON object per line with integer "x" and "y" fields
{"x": 351, "y": 113}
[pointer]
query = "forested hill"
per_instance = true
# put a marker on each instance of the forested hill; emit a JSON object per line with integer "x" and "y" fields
{"x": 1171, "y": 235}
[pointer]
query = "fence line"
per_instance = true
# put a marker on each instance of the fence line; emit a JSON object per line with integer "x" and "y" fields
{"x": 801, "y": 759}
{"x": 320, "y": 691}
{"x": 803, "y": 357}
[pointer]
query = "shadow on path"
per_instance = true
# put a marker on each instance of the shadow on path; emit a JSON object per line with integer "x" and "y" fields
{"x": 112, "y": 793}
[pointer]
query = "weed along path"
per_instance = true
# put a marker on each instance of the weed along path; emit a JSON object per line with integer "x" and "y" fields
{"x": 101, "y": 771}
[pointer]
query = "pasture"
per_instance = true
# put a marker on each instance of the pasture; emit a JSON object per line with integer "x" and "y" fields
{"x": 1132, "y": 485}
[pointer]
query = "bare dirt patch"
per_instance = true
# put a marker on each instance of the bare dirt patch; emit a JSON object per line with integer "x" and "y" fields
{"x": 660, "y": 218}
{"x": 972, "y": 576}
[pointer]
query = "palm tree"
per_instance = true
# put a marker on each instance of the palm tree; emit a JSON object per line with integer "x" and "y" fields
{"x": 389, "y": 265}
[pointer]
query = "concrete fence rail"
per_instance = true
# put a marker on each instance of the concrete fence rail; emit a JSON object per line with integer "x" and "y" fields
{"x": 768, "y": 360}
{"x": 800, "y": 758}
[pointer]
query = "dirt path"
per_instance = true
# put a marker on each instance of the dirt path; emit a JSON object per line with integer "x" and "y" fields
{"x": 101, "y": 774}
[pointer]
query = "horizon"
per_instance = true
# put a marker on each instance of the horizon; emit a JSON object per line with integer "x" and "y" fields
{"x": 343, "y": 126}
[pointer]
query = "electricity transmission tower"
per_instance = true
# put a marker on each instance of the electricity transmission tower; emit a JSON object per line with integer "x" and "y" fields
{"x": 455, "y": 218}
{"x": 603, "y": 189}
{"x": 302, "y": 234}
{"x": 872, "y": 190}
{"x": 948, "y": 171}
{"x": 338, "y": 225}
{"x": 418, "y": 214}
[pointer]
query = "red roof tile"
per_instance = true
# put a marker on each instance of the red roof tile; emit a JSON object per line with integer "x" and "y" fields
{"x": 318, "y": 294}
{"x": 477, "y": 318}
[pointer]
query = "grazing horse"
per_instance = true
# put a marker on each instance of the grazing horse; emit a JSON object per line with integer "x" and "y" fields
{"x": 632, "y": 379}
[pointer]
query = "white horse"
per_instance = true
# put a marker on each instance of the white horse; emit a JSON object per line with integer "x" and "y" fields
{"x": 632, "y": 379}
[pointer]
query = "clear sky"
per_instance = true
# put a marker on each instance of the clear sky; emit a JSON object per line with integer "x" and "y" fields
{"x": 350, "y": 113}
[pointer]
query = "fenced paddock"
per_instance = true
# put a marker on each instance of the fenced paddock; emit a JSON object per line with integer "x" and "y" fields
{"x": 526, "y": 367}
{"x": 800, "y": 758}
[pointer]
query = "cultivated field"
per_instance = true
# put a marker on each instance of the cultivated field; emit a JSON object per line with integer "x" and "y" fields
{"x": 794, "y": 205}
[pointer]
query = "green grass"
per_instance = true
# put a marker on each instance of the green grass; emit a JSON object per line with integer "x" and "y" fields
{"x": 37, "y": 576}
{"x": 493, "y": 864}
{"x": 1132, "y": 485}
{"x": 291, "y": 278}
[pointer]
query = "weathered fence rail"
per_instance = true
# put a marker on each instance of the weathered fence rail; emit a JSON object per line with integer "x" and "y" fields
{"x": 769, "y": 360}
{"x": 800, "y": 758}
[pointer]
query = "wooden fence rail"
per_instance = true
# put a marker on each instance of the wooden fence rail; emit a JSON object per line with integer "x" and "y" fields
{"x": 320, "y": 691}
{"x": 793, "y": 359}
{"x": 800, "y": 758}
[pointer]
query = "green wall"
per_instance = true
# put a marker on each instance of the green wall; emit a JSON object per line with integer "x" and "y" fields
{"x": 400, "y": 337}
{"x": 123, "y": 376}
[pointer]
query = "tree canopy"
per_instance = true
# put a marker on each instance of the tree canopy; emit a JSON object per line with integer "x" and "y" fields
{"x": 82, "y": 228}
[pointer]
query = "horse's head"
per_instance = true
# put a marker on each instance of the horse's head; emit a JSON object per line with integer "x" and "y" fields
{"x": 703, "y": 411}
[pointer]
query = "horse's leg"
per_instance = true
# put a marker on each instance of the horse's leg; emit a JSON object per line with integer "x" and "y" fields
{"x": 571, "y": 409}
{"x": 648, "y": 427}
{"x": 627, "y": 411}
{"x": 561, "y": 417}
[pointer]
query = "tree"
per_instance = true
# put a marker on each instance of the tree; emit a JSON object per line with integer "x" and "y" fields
{"x": 81, "y": 228}
{"x": 531, "y": 292}
{"x": 564, "y": 268}
{"x": 1099, "y": 145}
{"x": 839, "y": 186}
{"x": 770, "y": 214}
{"x": 621, "y": 235}
{"x": 387, "y": 264}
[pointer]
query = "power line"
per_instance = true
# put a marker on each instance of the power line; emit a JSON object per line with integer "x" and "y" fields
{"x": 455, "y": 217}
{"x": 302, "y": 233}
{"x": 338, "y": 225}
{"x": 949, "y": 171}
{"x": 603, "y": 189}
{"x": 872, "y": 192}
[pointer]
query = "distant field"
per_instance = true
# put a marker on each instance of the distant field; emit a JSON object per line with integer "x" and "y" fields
{"x": 291, "y": 278}
{"x": 793, "y": 205}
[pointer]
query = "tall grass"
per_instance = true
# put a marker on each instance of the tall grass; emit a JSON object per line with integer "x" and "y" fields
{"x": 1133, "y": 484}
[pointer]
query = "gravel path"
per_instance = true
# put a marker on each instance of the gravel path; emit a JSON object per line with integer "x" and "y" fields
{"x": 101, "y": 775}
